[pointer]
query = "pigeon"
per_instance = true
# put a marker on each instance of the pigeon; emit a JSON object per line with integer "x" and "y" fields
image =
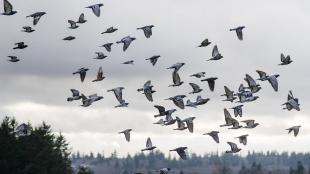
{"x": 201, "y": 101}
{"x": 118, "y": 93}
{"x": 147, "y": 90}
{"x": 252, "y": 85}
{"x": 196, "y": 88}
{"x": 161, "y": 110}
{"x": 246, "y": 96}
{"x": 22, "y": 130}
{"x": 215, "y": 54}
{"x": 238, "y": 31}
{"x": 123, "y": 103}
{"x": 234, "y": 148}
{"x": 126, "y": 41}
{"x": 295, "y": 129}
{"x": 127, "y": 134}
{"x": 110, "y": 30}
{"x": 204, "y": 43}
{"x": 81, "y": 19}
{"x": 243, "y": 139}
{"x": 169, "y": 119}
{"x": 96, "y": 9}
{"x": 28, "y": 29}
{"x": 237, "y": 110}
{"x": 250, "y": 124}
{"x": 228, "y": 119}
{"x": 100, "y": 55}
{"x": 163, "y": 171}
{"x": 285, "y": 60}
{"x": 271, "y": 79}
{"x": 20, "y": 45}
{"x": 191, "y": 104}
{"x": 214, "y": 135}
{"x": 181, "y": 152}
{"x": 211, "y": 82}
{"x": 235, "y": 124}
{"x": 90, "y": 100}
{"x": 176, "y": 67}
{"x": 190, "y": 124}
{"x": 107, "y": 46}
{"x": 176, "y": 79}
{"x": 36, "y": 17}
{"x": 178, "y": 100}
{"x": 100, "y": 75}
{"x": 228, "y": 94}
{"x": 82, "y": 72}
{"x": 13, "y": 59}
{"x": 129, "y": 62}
{"x": 69, "y": 38}
{"x": 198, "y": 75}
{"x": 153, "y": 59}
{"x": 8, "y": 8}
{"x": 149, "y": 145}
{"x": 147, "y": 30}
{"x": 292, "y": 102}
{"x": 75, "y": 95}
{"x": 72, "y": 24}
{"x": 160, "y": 122}
{"x": 181, "y": 124}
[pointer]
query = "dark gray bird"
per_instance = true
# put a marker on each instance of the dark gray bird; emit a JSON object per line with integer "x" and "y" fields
{"x": 82, "y": 72}
{"x": 196, "y": 88}
{"x": 147, "y": 30}
{"x": 191, "y": 104}
{"x": 238, "y": 31}
{"x": 81, "y": 19}
{"x": 149, "y": 146}
{"x": 8, "y": 8}
{"x": 73, "y": 24}
{"x": 234, "y": 148}
{"x": 118, "y": 93}
{"x": 228, "y": 94}
{"x": 198, "y": 75}
{"x": 250, "y": 124}
{"x": 190, "y": 124}
{"x": 96, "y": 9}
{"x": 100, "y": 75}
{"x": 176, "y": 67}
{"x": 162, "y": 111}
{"x": 90, "y": 100}
{"x": 153, "y": 59}
{"x": 169, "y": 119}
{"x": 126, "y": 41}
{"x": 272, "y": 79}
{"x": 181, "y": 152}
{"x": 243, "y": 139}
{"x": 100, "y": 55}
{"x": 176, "y": 79}
{"x": 28, "y": 29}
{"x": 129, "y": 62}
{"x": 69, "y": 38}
{"x": 181, "y": 124}
{"x": 178, "y": 100}
{"x": 36, "y": 17}
{"x": 204, "y": 43}
{"x": 295, "y": 129}
{"x": 164, "y": 171}
{"x": 127, "y": 134}
{"x": 20, "y": 45}
{"x": 215, "y": 54}
{"x": 147, "y": 90}
{"x": 252, "y": 85}
{"x": 214, "y": 135}
{"x": 75, "y": 95}
{"x": 13, "y": 59}
{"x": 235, "y": 124}
{"x": 211, "y": 82}
{"x": 107, "y": 46}
{"x": 22, "y": 130}
{"x": 285, "y": 60}
{"x": 110, "y": 30}
{"x": 229, "y": 121}
{"x": 237, "y": 110}
{"x": 292, "y": 102}
{"x": 201, "y": 101}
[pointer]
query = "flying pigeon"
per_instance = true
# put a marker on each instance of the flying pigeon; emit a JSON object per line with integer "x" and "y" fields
{"x": 215, "y": 54}
{"x": 126, "y": 133}
{"x": 118, "y": 93}
{"x": 234, "y": 148}
{"x": 237, "y": 110}
{"x": 149, "y": 145}
{"x": 214, "y": 135}
{"x": 181, "y": 152}
{"x": 72, "y": 24}
{"x": 176, "y": 67}
{"x": 69, "y": 38}
{"x": 161, "y": 110}
{"x": 238, "y": 31}
{"x": 198, "y": 75}
{"x": 252, "y": 85}
{"x": 176, "y": 79}
{"x": 147, "y": 30}
{"x": 201, "y": 101}
{"x": 22, "y": 130}
{"x": 8, "y": 8}
{"x": 181, "y": 124}
{"x": 271, "y": 79}
{"x": 96, "y": 9}
{"x": 190, "y": 124}
{"x": 285, "y": 60}
{"x": 13, "y": 59}
{"x": 169, "y": 119}
{"x": 100, "y": 55}
{"x": 243, "y": 139}
{"x": 20, "y": 45}
{"x": 81, "y": 19}
{"x": 153, "y": 59}
{"x": 28, "y": 29}
{"x": 100, "y": 75}
{"x": 250, "y": 124}
{"x": 229, "y": 121}
{"x": 292, "y": 102}
{"x": 196, "y": 88}
{"x": 228, "y": 94}
{"x": 90, "y": 100}
{"x": 129, "y": 62}
{"x": 147, "y": 90}
{"x": 178, "y": 100}
{"x": 235, "y": 124}
{"x": 295, "y": 129}
{"x": 107, "y": 46}
{"x": 82, "y": 72}
{"x": 164, "y": 171}
{"x": 211, "y": 82}
{"x": 204, "y": 43}
{"x": 110, "y": 30}
{"x": 36, "y": 17}
{"x": 75, "y": 95}
{"x": 191, "y": 104}
{"x": 126, "y": 41}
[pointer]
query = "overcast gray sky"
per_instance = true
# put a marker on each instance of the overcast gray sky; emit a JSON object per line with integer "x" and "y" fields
{"x": 35, "y": 89}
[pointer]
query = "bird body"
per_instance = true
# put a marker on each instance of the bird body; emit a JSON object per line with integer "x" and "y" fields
{"x": 96, "y": 9}
{"x": 147, "y": 30}
{"x": 36, "y": 17}
{"x": 82, "y": 73}
{"x": 126, "y": 41}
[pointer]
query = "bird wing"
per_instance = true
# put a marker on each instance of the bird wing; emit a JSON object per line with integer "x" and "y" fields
{"x": 215, "y": 137}
{"x": 261, "y": 74}
{"x": 36, "y": 19}
{"x": 194, "y": 86}
{"x": 232, "y": 145}
{"x": 82, "y": 75}
{"x": 296, "y": 130}
{"x": 72, "y": 23}
{"x": 182, "y": 154}
{"x": 179, "y": 102}
{"x": 294, "y": 104}
{"x": 148, "y": 142}
{"x": 161, "y": 109}
{"x": 127, "y": 135}
{"x": 118, "y": 94}
{"x": 8, "y": 8}
{"x": 250, "y": 80}
{"x": 176, "y": 77}
{"x": 215, "y": 51}
{"x": 239, "y": 34}
{"x": 274, "y": 82}
{"x": 148, "y": 94}
{"x": 147, "y": 84}
{"x": 75, "y": 92}
{"x": 126, "y": 44}
{"x": 81, "y": 18}
{"x": 282, "y": 57}
{"x": 96, "y": 10}
{"x": 147, "y": 32}
{"x": 99, "y": 73}
{"x": 190, "y": 125}
{"x": 211, "y": 83}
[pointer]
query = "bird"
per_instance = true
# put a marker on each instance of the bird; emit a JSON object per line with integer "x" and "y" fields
{"x": 252, "y": 85}
{"x": 100, "y": 55}
{"x": 201, "y": 101}
{"x": 90, "y": 100}
{"x": 100, "y": 75}
{"x": 81, "y": 19}
{"x": 181, "y": 152}
{"x": 20, "y": 45}
{"x": 228, "y": 94}
{"x": 126, "y": 41}
{"x": 22, "y": 130}
{"x": 36, "y": 17}
{"x": 147, "y": 30}
{"x": 8, "y": 8}
{"x": 229, "y": 121}
{"x": 110, "y": 30}
{"x": 28, "y": 29}
{"x": 272, "y": 79}
{"x": 169, "y": 119}
{"x": 191, "y": 104}
{"x": 243, "y": 139}
{"x": 237, "y": 110}
{"x": 204, "y": 43}
{"x": 292, "y": 102}
{"x": 238, "y": 32}
{"x": 214, "y": 135}
{"x": 127, "y": 134}
{"x": 129, "y": 62}
{"x": 75, "y": 95}
{"x": 181, "y": 124}
{"x": 107, "y": 46}
{"x": 147, "y": 90}
{"x": 118, "y": 93}
{"x": 211, "y": 82}
{"x": 176, "y": 67}
{"x": 235, "y": 124}
{"x": 285, "y": 60}
{"x": 82, "y": 72}
{"x": 13, "y": 59}
{"x": 189, "y": 123}
{"x": 153, "y": 59}
{"x": 295, "y": 129}
{"x": 215, "y": 54}
{"x": 176, "y": 79}
{"x": 163, "y": 171}
{"x": 198, "y": 75}
{"x": 161, "y": 110}
{"x": 96, "y": 9}
{"x": 178, "y": 100}
{"x": 149, "y": 146}
{"x": 196, "y": 88}
{"x": 72, "y": 24}
{"x": 250, "y": 124}
{"x": 234, "y": 148}
{"x": 69, "y": 38}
